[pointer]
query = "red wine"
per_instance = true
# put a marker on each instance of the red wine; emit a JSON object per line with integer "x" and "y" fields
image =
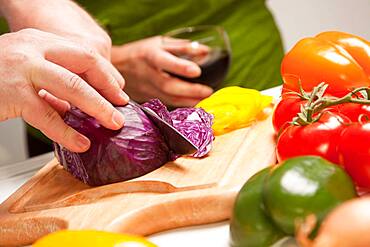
{"x": 214, "y": 67}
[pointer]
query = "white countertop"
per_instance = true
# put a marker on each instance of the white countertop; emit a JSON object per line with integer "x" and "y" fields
{"x": 216, "y": 235}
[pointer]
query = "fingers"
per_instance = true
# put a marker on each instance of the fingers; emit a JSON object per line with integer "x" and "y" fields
{"x": 179, "y": 101}
{"x": 173, "y": 91}
{"x": 164, "y": 60}
{"x": 61, "y": 106}
{"x": 149, "y": 91}
{"x": 176, "y": 101}
{"x": 176, "y": 87}
{"x": 171, "y": 85}
{"x": 109, "y": 85}
{"x": 96, "y": 70}
{"x": 68, "y": 86}
{"x": 43, "y": 117}
{"x": 186, "y": 47}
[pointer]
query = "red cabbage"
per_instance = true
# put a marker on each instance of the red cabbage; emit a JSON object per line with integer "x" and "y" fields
{"x": 114, "y": 156}
{"x": 160, "y": 109}
{"x": 135, "y": 149}
{"x": 194, "y": 123}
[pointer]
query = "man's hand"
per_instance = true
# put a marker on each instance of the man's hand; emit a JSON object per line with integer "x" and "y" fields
{"x": 144, "y": 64}
{"x": 41, "y": 73}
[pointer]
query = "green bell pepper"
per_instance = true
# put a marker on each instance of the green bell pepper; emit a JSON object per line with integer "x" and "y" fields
{"x": 275, "y": 200}
{"x": 250, "y": 226}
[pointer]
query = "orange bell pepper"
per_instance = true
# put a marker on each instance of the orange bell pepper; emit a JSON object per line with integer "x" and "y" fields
{"x": 339, "y": 59}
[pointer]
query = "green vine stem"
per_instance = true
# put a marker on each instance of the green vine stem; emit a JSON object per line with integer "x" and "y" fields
{"x": 317, "y": 102}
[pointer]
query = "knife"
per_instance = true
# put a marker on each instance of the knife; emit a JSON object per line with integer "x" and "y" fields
{"x": 176, "y": 141}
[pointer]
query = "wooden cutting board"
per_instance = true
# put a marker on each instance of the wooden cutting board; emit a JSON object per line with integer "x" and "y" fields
{"x": 185, "y": 192}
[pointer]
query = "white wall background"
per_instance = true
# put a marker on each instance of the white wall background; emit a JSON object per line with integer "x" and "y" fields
{"x": 12, "y": 141}
{"x": 295, "y": 18}
{"x": 301, "y": 18}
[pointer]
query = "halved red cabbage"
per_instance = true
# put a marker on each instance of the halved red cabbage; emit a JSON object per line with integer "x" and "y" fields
{"x": 194, "y": 123}
{"x": 135, "y": 149}
{"x": 160, "y": 109}
{"x": 114, "y": 156}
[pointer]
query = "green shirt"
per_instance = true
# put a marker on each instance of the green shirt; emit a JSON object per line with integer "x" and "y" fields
{"x": 255, "y": 41}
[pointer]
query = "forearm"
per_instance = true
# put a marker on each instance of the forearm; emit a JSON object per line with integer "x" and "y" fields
{"x": 22, "y": 14}
{"x": 62, "y": 17}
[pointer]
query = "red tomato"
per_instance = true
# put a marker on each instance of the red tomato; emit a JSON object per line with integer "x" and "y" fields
{"x": 354, "y": 152}
{"x": 320, "y": 138}
{"x": 353, "y": 111}
{"x": 285, "y": 111}
{"x": 290, "y": 106}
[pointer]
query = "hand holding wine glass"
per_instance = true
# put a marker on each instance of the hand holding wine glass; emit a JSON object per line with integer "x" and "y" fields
{"x": 146, "y": 65}
{"x": 207, "y": 46}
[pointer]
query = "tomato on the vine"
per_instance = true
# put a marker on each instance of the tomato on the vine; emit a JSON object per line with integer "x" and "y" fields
{"x": 329, "y": 76}
{"x": 354, "y": 111}
{"x": 354, "y": 152}
{"x": 285, "y": 111}
{"x": 289, "y": 107}
{"x": 319, "y": 138}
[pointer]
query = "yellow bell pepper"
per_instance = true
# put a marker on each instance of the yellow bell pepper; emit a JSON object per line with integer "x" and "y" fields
{"x": 91, "y": 238}
{"x": 234, "y": 108}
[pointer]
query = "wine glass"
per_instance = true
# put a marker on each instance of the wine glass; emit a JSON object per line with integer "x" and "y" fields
{"x": 208, "y": 46}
